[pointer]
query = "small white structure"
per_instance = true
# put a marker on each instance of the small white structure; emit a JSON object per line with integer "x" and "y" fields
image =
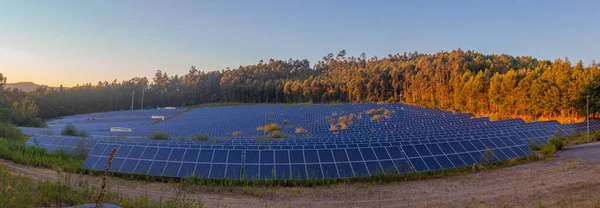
{"x": 159, "y": 117}
{"x": 120, "y": 129}
{"x": 170, "y": 108}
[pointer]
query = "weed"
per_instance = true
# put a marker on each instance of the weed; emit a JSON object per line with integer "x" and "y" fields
{"x": 376, "y": 118}
{"x": 548, "y": 150}
{"x": 16, "y": 151}
{"x": 237, "y": 133}
{"x": 159, "y": 136}
{"x": 343, "y": 126}
{"x": 46, "y": 132}
{"x": 70, "y": 130}
{"x": 201, "y": 137}
{"x": 104, "y": 178}
{"x": 300, "y": 130}
{"x": 269, "y": 128}
{"x": 9, "y": 131}
{"x": 286, "y": 122}
{"x": 333, "y": 127}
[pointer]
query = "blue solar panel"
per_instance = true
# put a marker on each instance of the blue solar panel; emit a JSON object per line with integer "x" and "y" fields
{"x": 412, "y": 139}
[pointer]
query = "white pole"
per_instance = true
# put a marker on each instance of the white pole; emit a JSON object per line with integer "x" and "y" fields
{"x": 587, "y": 104}
{"x": 132, "y": 95}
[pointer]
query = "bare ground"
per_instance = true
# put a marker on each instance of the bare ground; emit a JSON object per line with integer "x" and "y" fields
{"x": 558, "y": 182}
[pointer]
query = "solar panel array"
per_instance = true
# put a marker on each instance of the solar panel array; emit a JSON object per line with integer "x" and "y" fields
{"x": 404, "y": 139}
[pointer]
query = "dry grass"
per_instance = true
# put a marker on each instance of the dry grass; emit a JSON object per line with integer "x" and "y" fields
{"x": 269, "y": 128}
{"x": 237, "y": 133}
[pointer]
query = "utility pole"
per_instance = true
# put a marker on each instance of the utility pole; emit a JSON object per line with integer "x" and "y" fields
{"x": 132, "y": 96}
{"x": 142, "y": 108}
{"x": 587, "y": 107}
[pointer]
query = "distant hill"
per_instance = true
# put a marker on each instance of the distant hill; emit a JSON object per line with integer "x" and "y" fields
{"x": 24, "y": 86}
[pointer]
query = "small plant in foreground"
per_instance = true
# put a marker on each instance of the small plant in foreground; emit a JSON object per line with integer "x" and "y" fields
{"x": 159, "y": 136}
{"x": 237, "y": 133}
{"x": 104, "y": 177}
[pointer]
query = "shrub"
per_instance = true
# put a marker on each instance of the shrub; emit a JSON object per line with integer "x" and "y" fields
{"x": 388, "y": 112}
{"x": 333, "y": 127}
{"x": 237, "y": 133}
{"x": 548, "y": 150}
{"x": 557, "y": 142}
{"x": 534, "y": 146}
{"x": 70, "y": 130}
{"x": 343, "y": 126}
{"x": 201, "y": 137}
{"x": 351, "y": 117}
{"x": 286, "y": 122}
{"x": 277, "y": 135}
{"x": 269, "y": 128}
{"x": 342, "y": 119}
{"x": 376, "y": 118}
{"x": 159, "y": 136}
{"x": 300, "y": 130}
{"x": 9, "y": 131}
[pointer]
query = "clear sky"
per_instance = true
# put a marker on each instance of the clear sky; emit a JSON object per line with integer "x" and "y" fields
{"x": 76, "y": 42}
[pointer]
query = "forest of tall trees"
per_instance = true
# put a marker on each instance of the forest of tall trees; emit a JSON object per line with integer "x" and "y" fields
{"x": 500, "y": 86}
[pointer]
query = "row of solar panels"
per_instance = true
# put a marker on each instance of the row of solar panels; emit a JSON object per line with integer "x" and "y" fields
{"x": 75, "y": 143}
{"x": 295, "y": 164}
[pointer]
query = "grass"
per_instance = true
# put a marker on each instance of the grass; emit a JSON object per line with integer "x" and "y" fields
{"x": 16, "y": 151}
{"x": 21, "y": 191}
{"x": 70, "y": 130}
{"x": 237, "y": 133}
{"x": 159, "y": 136}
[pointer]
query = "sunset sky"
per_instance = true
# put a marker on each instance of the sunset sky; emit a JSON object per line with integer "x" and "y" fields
{"x": 77, "y": 42}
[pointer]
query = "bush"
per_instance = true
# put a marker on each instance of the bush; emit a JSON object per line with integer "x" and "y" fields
{"x": 9, "y": 131}
{"x": 333, "y": 127}
{"x": 557, "y": 142}
{"x": 300, "y": 130}
{"x": 376, "y": 118}
{"x": 343, "y": 126}
{"x": 269, "y": 128}
{"x": 159, "y": 136}
{"x": 548, "y": 150}
{"x": 70, "y": 130}
{"x": 277, "y": 135}
{"x": 237, "y": 133}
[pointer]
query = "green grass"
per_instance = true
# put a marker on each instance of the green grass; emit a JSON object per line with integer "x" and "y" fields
{"x": 21, "y": 191}
{"x": 16, "y": 151}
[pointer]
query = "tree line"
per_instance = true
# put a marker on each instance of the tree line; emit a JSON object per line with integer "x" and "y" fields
{"x": 500, "y": 86}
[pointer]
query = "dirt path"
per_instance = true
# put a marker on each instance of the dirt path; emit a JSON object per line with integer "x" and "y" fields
{"x": 555, "y": 182}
